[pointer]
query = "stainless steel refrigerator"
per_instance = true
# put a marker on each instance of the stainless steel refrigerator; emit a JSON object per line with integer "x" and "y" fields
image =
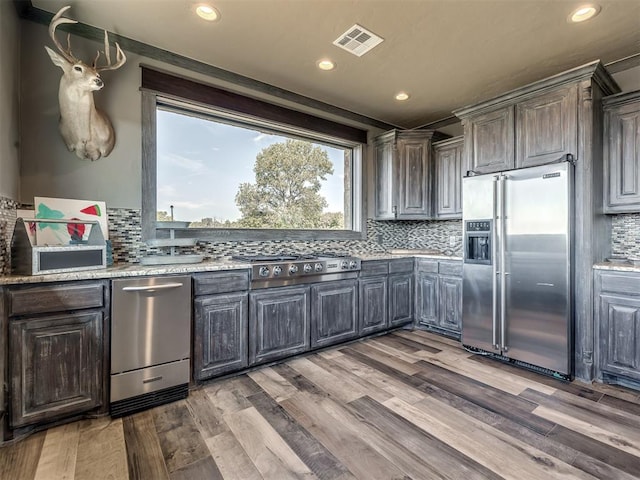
{"x": 517, "y": 265}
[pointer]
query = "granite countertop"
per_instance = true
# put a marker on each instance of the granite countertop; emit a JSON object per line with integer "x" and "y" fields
{"x": 629, "y": 266}
{"x": 404, "y": 253}
{"x": 224, "y": 263}
{"x": 128, "y": 270}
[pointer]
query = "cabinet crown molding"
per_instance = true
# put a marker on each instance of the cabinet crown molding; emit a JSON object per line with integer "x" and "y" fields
{"x": 594, "y": 71}
{"x": 620, "y": 99}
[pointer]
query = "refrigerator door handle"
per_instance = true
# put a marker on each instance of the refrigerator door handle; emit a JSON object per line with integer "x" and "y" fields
{"x": 494, "y": 263}
{"x": 503, "y": 266}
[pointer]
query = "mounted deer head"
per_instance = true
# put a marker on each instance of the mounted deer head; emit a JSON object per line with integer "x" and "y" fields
{"x": 85, "y": 130}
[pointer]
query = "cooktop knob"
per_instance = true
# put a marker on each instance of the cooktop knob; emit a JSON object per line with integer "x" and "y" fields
{"x": 344, "y": 265}
{"x": 293, "y": 269}
{"x": 307, "y": 268}
{"x": 353, "y": 264}
{"x": 318, "y": 267}
{"x": 277, "y": 270}
{"x": 264, "y": 271}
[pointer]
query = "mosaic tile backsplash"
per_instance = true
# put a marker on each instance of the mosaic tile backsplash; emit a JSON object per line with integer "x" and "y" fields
{"x": 442, "y": 235}
{"x": 7, "y": 221}
{"x": 625, "y": 235}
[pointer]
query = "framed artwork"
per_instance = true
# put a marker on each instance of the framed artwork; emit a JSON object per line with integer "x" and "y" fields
{"x": 68, "y": 209}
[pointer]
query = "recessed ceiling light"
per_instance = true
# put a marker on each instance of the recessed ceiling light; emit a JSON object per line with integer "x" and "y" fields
{"x": 326, "y": 65}
{"x": 402, "y": 96}
{"x": 207, "y": 12}
{"x": 584, "y": 12}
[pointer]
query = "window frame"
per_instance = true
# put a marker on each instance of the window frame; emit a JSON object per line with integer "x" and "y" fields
{"x": 162, "y": 93}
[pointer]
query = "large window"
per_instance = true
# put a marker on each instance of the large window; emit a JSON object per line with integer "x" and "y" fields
{"x": 236, "y": 176}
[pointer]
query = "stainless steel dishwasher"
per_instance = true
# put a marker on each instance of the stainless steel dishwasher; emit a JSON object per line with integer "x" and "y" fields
{"x": 150, "y": 342}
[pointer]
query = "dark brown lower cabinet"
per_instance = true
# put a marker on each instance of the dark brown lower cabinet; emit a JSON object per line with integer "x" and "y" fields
{"x": 451, "y": 303}
{"x": 373, "y": 305}
{"x": 220, "y": 334}
{"x": 56, "y": 366}
{"x": 400, "y": 299}
{"x": 334, "y": 312}
{"x": 278, "y": 323}
{"x": 57, "y": 350}
{"x": 617, "y": 311}
{"x": 427, "y": 301}
{"x": 439, "y": 296}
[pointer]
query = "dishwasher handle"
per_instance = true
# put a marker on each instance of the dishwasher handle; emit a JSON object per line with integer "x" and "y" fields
{"x": 152, "y": 288}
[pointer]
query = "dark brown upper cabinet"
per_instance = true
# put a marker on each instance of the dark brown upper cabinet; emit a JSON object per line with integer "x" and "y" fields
{"x": 489, "y": 138}
{"x": 622, "y": 153}
{"x": 534, "y": 125}
{"x": 449, "y": 167}
{"x": 546, "y": 127}
{"x": 404, "y": 175}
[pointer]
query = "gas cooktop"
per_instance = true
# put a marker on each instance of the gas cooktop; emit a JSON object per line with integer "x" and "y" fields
{"x": 288, "y": 269}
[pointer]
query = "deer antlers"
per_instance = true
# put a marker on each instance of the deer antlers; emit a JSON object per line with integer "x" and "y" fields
{"x": 85, "y": 129}
{"x": 58, "y": 19}
{"x": 120, "y": 56}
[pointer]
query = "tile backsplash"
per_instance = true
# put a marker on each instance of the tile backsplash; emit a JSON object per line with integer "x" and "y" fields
{"x": 442, "y": 235}
{"x": 7, "y": 221}
{"x": 625, "y": 235}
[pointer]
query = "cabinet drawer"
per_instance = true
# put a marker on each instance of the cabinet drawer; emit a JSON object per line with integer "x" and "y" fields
{"x": 55, "y": 298}
{"x": 401, "y": 266}
{"x": 427, "y": 266}
{"x": 620, "y": 282}
{"x": 370, "y": 268}
{"x": 450, "y": 268}
{"x": 212, "y": 283}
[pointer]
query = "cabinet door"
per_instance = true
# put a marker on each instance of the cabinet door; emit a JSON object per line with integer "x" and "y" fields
{"x": 448, "y": 185}
{"x": 413, "y": 178}
{"x": 450, "y": 303}
{"x": 546, "y": 127}
{"x": 56, "y": 366}
{"x": 220, "y": 341}
{"x": 400, "y": 299}
{"x": 489, "y": 141}
{"x": 383, "y": 188}
{"x": 619, "y": 342}
{"x": 427, "y": 301}
{"x": 373, "y": 309}
{"x": 334, "y": 315}
{"x": 622, "y": 159}
{"x": 278, "y": 323}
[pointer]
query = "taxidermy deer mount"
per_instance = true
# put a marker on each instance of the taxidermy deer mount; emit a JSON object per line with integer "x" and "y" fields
{"x": 85, "y": 130}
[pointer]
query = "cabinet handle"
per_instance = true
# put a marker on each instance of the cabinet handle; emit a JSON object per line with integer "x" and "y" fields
{"x": 394, "y": 209}
{"x": 152, "y": 288}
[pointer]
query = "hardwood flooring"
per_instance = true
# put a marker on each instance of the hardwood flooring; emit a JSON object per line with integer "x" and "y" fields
{"x": 407, "y": 405}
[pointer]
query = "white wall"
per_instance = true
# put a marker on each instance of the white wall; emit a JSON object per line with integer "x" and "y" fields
{"x": 629, "y": 80}
{"x": 9, "y": 100}
{"x": 48, "y": 168}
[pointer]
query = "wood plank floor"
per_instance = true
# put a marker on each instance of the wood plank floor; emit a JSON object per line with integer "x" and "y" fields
{"x": 407, "y": 405}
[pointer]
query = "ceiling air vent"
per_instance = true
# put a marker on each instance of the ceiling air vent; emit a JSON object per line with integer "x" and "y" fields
{"x": 357, "y": 40}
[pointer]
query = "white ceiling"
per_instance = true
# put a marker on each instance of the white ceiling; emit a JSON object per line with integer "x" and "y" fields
{"x": 445, "y": 53}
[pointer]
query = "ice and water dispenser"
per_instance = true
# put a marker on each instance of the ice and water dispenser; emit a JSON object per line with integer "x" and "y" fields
{"x": 477, "y": 241}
